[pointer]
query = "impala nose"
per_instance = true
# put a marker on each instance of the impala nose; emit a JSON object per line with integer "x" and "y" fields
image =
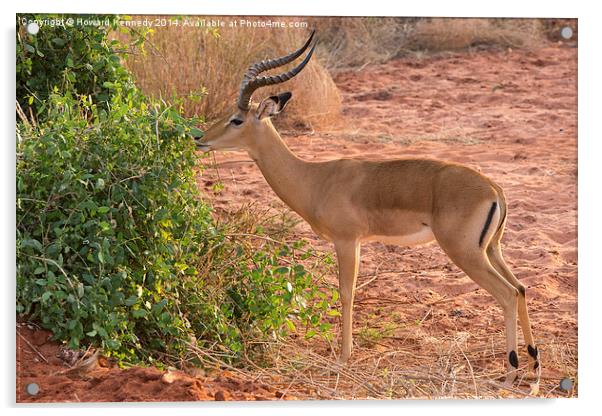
{"x": 205, "y": 147}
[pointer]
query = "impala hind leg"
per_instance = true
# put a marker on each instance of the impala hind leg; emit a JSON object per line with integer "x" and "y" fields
{"x": 494, "y": 253}
{"x": 348, "y": 253}
{"x": 477, "y": 266}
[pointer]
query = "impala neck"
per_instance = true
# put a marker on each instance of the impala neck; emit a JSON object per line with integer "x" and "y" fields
{"x": 288, "y": 175}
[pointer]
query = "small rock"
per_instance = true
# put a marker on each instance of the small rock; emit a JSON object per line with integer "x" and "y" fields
{"x": 220, "y": 396}
{"x": 168, "y": 377}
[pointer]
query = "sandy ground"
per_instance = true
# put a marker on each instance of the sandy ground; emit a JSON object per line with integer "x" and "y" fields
{"x": 510, "y": 114}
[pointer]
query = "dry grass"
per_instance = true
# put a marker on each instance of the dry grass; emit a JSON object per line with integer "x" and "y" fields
{"x": 357, "y": 41}
{"x": 205, "y": 69}
{"x": 440, "y": 34}
{"x": 459, "y": 366}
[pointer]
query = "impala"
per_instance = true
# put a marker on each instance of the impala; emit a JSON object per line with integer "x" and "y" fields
{"x": 403, "y": 201}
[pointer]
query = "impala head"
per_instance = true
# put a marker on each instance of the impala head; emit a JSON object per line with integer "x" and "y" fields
{"x": 243, "y": 125}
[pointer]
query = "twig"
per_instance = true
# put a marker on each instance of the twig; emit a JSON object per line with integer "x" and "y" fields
{"x": 219, "y": 178}
{"x": 425, "y": 316}
{"x": 227, "y": 162}
{"x": 32, "y": 347}
{"x": 474, "y": 382}
{"x": 371, "y": 280}
{"x": 157, "y": 124}
{"x": 508, "y": 388}
{"x": 82, "y": 366}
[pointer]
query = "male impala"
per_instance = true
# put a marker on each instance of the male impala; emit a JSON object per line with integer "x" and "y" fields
{"x": 405, "y": 201}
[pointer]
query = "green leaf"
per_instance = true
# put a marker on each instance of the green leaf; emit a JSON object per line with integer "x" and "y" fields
{"x": 290, "y": 325}
{"x": 131, "y": 300}
{"x": 59, "y": 42}
{"x": 80, "y": 290}
{"x": 139, "y": 313}
{"x": 310, "y": 334}
{"x": 33, "y": 243}
{"x": 29, "y": 48}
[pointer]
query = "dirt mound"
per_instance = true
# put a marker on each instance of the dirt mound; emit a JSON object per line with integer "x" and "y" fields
{"x": 62, "y": 376}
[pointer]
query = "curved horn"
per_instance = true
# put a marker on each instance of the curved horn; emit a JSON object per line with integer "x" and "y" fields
{"x": 263, "y": 66}
{"x": 250, "y": 81}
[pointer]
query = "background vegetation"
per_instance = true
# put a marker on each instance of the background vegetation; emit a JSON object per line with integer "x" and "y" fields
{"x": 205, "y": 70}
{"x": 115, "y": 248}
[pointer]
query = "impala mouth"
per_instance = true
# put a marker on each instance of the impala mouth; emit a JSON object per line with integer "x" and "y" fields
{"x": 205, "y": 147}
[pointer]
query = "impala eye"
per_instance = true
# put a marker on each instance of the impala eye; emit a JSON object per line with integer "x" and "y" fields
{"x": 236, "y": 122}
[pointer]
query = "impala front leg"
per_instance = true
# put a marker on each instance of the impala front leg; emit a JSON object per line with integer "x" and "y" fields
{"x": 348, "y": 253}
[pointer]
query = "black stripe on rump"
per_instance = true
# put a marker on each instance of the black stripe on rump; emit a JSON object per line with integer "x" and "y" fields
{"x": 487, "y": 223}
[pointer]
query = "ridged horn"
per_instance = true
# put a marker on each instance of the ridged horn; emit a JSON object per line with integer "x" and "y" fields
{"x": 251, "y": 82}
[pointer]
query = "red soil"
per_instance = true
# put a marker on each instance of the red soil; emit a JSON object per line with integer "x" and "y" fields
{"x": 43, "y": 362}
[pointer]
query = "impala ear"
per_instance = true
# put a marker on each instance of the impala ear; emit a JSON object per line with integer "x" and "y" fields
{"x": 273, "y": 105}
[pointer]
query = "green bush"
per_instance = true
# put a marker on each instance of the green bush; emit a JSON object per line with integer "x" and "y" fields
{"x": 114, "y": 246}
{"x": 68, "y": 58}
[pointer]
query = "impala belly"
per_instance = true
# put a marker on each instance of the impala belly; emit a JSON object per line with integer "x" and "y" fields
{"x": 400, "y": 227}
{"x": 424, "y": 235}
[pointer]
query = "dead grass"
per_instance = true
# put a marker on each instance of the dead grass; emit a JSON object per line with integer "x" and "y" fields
{"x": 357, "y": 41}
{"x": 441, "y": 34}
{"x": 459, "y": 366}
{"x": 205, "y": 68}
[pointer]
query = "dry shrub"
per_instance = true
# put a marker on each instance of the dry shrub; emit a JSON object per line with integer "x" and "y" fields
{"x": 356, "y": 41}
{"x": 206, "y": 67}
{"x": 440, "y": 34}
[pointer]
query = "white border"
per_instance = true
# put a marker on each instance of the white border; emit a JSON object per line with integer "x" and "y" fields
{"x": 589, "y": 188}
